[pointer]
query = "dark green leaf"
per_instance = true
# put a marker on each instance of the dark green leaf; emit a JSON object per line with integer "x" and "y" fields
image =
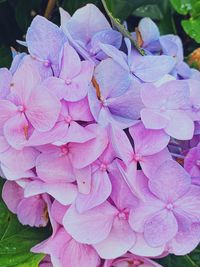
{"x": 25, "y": 11}
{"x": 16, "y": 241}
{"x": 5, "y": 57}
{"x": 190, "y": 260}
{"x": 123, "y": 8}
{"x": 151, "y": 11}
{"x": 72, "y": 5}
{"x": 192, "y": 28}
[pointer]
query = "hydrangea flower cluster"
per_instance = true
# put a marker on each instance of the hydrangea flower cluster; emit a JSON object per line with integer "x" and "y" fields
{"x": 102, "y": 142}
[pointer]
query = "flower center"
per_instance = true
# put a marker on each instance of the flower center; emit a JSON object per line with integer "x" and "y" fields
{"x": 68, "y": 81}
{"x": 105, "y": 103}
{"x": 123, "y": 215}
{"x": 64, "y": 150}
{"x": 170, "y": 206}
{"x": 47, "y": 63}
{"x": 68, "y": 119}
{"x": 137, "y": 157}
{"x": 103, "y": 167}
{"x": 21, "y": 108}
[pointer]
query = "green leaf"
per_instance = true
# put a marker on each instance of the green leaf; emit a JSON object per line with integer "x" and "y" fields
{"x": 151, "y": 11}
{"x": 123, "y": 8}
{"x": 16, "y": 240}
{"x": 190, "y": 260}
{"x": 182, "y": 6}
{"x": 116, "y": 23}
{"x": 5, "y": 57}
{"x": 72, "y": 5}
{"x": 192, "y": 28}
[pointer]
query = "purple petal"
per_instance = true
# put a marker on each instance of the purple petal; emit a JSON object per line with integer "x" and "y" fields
{"x": 160, "y": 228}
{"x": 170, "y": 181}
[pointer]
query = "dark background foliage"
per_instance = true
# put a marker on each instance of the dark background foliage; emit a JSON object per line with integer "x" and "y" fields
{"x": 180, "y": 17}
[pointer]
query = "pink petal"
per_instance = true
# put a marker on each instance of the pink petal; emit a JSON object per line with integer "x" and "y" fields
{"x": 185, "y": 242}
{"x": 148, "y": 142}
{"x": 12, "y": 194}
{"x": 189, "y": 203}
{"x": 58, "y": 211}
{"x": 100, "y": 191}
{"x": 173, "y": 94}
{"x": 121, "y": 144}
{"x": 141, "y": 248}
{"x": 16, "y": 175}
{"x": 16, "y": 131}
{"x": 91, "y": 227}
{"x": 42, "y": 109}
{"x": 78, "y": 87}
{"x": 25, "y": 79}
{"x": 58, "y": 132}
{"x": 170, "y": 181}
{"x": 140, "y": 215}
{"x": 179, "y": 120}
{"x": 54, "y": 168}
{"x": 121, "y": 194}
{"x": 3, "y": 144}
{"x": 70, "y": 64}
{"x": 160, "y": 228}
{"x": 154, "y": 119}
{"x": 76, "y": 254}
{"x": 55, "y": 86}
{"x": 150, "y": 164}
{"x": 31, "y": 211}
{"x": 65, "y": 193}
{"x": 7, "y": 111}
{"x": 78, "y": 134}
{"x": 118, "y": 242}
{"x": 26, "y": 159}
{"x": 83, "y": 179}
{"x": 80, "y": 110}
{"x": 93, "y": 148}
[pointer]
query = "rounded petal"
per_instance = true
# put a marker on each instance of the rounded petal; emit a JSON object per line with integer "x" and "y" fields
{"x": 160, "y": 228}
{"x": 118, "y": 242}
{"x": 170, "y": 181}
{"x": 91, "y": 227}
{"x": 92, "y": 148}
{"x": 42, "y": 109}
{"x": 12, "y": 194}
{"x": 16, "y": 131}
{"x": 148, "y": 142}
{"x": 141, "y": 248}
{"x": 180, "y": 120}
{"x": 100, "y": 191}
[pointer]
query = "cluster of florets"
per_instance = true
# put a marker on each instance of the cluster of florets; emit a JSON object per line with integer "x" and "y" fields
{"x": 102, "y": 141}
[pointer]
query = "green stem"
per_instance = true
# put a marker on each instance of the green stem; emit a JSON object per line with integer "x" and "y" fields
{"x": 122, "y": 29}
{"x": 191, "y": 261}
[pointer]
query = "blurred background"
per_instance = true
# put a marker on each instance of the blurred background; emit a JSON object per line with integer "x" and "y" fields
{"x": 180, "y": 17}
